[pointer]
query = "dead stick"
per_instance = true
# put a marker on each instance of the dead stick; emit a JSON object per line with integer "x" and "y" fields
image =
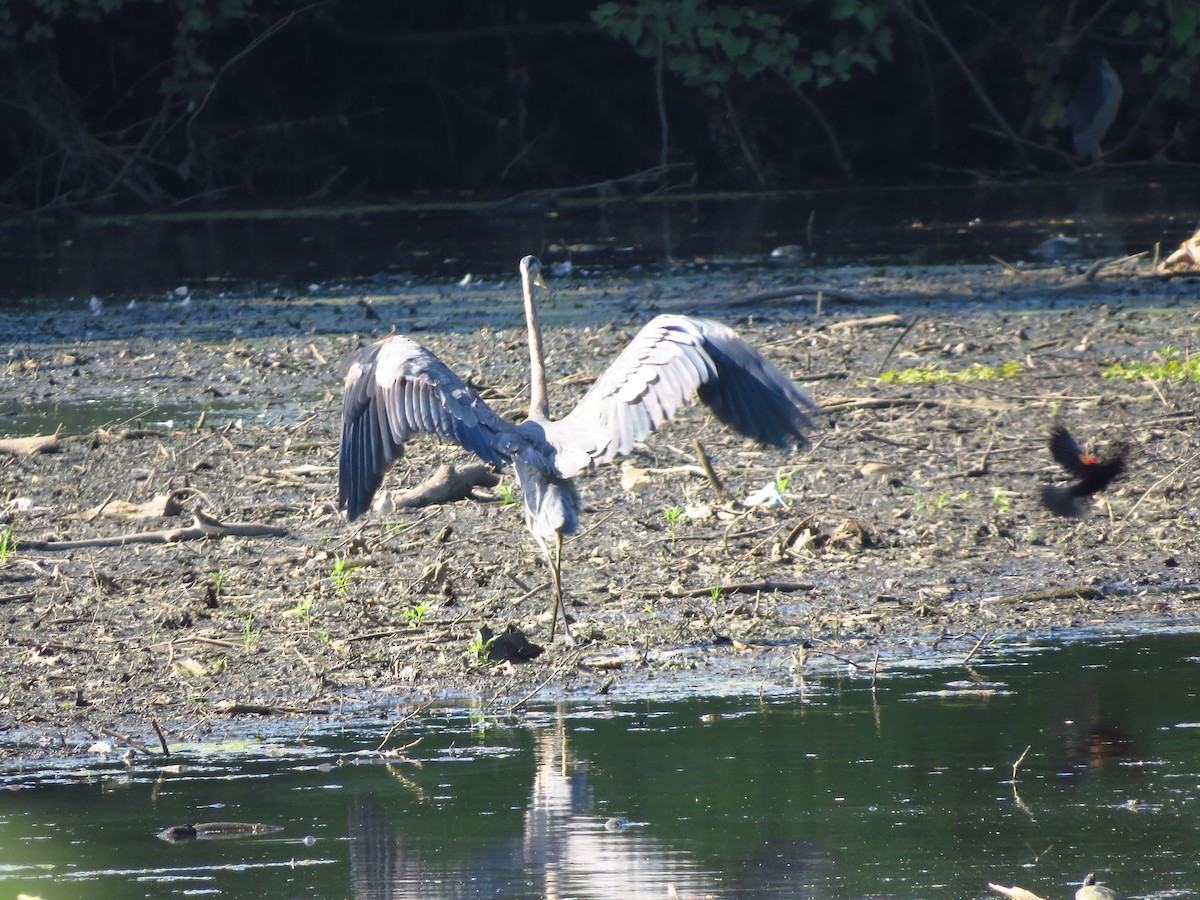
{"x": 978, "y": 644}
{"x": 709, "y": 473}
{"x": 896, "y": 343}
{"x": 1020, "y": 759}
{"x": 161, "y": 739}
{"x": 563, "y": 665}
{"x": 416, "y": 712}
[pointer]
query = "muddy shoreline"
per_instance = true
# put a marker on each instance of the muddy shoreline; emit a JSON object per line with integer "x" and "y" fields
{"x": 910, "y": 529}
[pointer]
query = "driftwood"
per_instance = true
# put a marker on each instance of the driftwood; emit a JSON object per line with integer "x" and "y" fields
{"x": 446, "y": 485}
{"x": 1014, "y": 892}
{"x": 24, "y": 446}
{"x": 203, "y": 526}
{"x": 1043, "y": 596}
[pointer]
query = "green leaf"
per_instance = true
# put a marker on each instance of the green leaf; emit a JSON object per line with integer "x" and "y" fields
{"x": 1131, "y": 23}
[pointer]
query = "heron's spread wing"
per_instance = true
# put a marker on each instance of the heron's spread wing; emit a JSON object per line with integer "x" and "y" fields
{"x": 396, "y": 388}
{"x": 673, "y": 360}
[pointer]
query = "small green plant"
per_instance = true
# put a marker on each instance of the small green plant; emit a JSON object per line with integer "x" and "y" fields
{"x": 478, "y": 651}
{"x": 340, "y": 574}
{"x": 1169, "y": 366}
{"x": 936, "y": 374}
{"x": 218, "y": 582}
{"x": 249, "y": 635}
{"x": 8, "y": 543}
{"x": 302, "y": 611}
{"x": 783, "y": 479}
{"x": 415, "y": 615}
{"x": 506, "y": 495}
{"x": 672, "y": 514}
{"x": 940, "y": 502}
{"x": 1002, "y": 500}
{"x": 717, "y": 593}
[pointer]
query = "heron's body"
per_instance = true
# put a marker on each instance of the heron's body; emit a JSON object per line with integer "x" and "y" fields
{"x": 396, "y": 388}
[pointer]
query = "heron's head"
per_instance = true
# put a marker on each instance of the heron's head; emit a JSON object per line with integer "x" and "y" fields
{"x": 531, "y": 270}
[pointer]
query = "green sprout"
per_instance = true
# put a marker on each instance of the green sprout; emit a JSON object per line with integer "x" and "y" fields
{"x": 249, "y": 635}
{"x": 478, "y": 651}
{"x": 302, "y": 611}
{"x": 938, "y": 503}
{"x": 1002, "y": 500}
{"x": 415, "y": 615}
{"x": 506, "y": 495}
{"x": 8, "y": 543}
{"x": 672, "y": 514}
{"x": 341, "y": 574}
{"x": 782, "y": 480}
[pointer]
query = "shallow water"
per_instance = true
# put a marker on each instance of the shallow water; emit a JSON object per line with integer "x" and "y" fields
{"x": 824, "y": 789}
{"x": 286, "y": 252}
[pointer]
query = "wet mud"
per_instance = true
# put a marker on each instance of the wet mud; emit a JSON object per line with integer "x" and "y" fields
{"x": 910, "y": 529}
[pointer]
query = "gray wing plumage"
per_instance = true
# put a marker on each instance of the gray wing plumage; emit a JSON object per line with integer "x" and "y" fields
{"x": 675, "y": 360}
{"x": 396, "y": 388}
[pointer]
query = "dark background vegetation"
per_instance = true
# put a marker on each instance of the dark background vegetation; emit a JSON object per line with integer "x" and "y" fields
{"x": 131, "y": 104}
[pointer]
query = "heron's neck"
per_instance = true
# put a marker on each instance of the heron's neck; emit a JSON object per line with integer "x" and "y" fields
{"x": 539, "y": 403}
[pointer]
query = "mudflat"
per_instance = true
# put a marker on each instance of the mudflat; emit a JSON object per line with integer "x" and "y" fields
{"x": 187, "y": 564}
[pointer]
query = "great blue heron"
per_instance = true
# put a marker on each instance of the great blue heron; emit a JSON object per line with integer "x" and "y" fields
{"x": 1093, "y": 105}
{"x": 396, "y": 388}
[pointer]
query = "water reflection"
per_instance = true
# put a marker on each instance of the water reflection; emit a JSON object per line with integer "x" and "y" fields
{"x": 565, "y": 849}
{"x": 839, "y": 792}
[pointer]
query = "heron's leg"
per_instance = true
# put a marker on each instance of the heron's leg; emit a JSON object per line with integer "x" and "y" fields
{"x": 554, "y": 557}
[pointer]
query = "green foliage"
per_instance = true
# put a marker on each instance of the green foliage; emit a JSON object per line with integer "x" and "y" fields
{"x": 708, "y": 44}
{"x": 924, "y": 502}
{"x": 415, "y": 615}
{"x": 672, "y": 514}
{"x": 936, "y": 374}
{"x": 249, "y": 635}
{"x": 302, "y": 611}
{"x": 1170, "y": 32}
{"x": 340, "y": 574}
{"x": 1169, "y": 366}
{"x": 506, "y": 495}
{"x": 38, "y": 22}
{"x": 8, "y": 543}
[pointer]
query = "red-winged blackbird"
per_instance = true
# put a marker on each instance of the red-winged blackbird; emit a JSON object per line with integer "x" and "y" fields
{"x": 1094, "y": 474}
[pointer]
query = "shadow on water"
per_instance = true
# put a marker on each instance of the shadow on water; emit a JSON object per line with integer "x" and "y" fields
{"x": 826, "y": 789}
{"x": 252, "y": 252}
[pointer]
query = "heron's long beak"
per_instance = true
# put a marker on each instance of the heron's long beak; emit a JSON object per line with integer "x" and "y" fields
{"x": 540, "y": 281}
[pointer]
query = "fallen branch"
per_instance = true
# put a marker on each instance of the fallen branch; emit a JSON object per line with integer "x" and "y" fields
{"x": 801, "y": 291}
{"x": 446, "y": 485}
{"x": 25, "y": 446}
{"x": 1014, "y": 892}
{"x": 202, "y": 527}
{"x": 1064, "y": 593}
{"x": 888, "y": 320}
{"x": 743, "y": 587}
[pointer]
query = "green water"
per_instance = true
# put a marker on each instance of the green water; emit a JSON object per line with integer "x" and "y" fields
{"x": 827, "y": 791}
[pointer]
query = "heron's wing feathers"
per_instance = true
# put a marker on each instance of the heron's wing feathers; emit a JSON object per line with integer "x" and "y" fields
{"x": 396, "y": 388}
{"x": 672, "y": 361}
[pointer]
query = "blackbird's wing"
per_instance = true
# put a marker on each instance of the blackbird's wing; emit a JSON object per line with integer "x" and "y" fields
{"x": 1067, "y": 453}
